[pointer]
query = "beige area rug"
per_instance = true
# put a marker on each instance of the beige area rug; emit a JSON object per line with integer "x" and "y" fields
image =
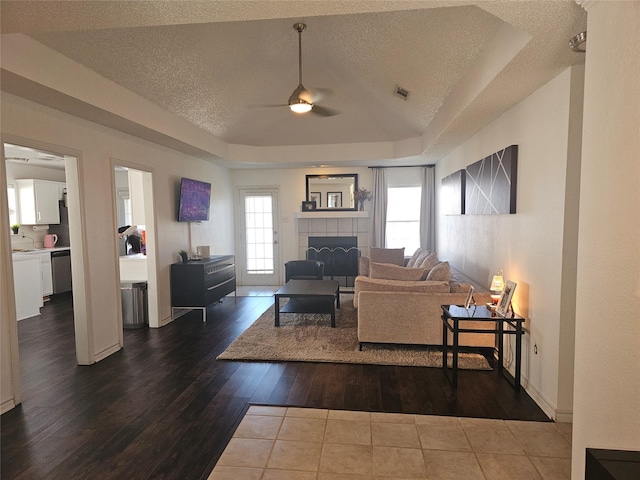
{"x": 310, "y": 338}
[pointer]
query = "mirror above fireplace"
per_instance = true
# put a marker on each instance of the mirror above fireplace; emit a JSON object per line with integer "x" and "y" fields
{"x": 332, "y": 192}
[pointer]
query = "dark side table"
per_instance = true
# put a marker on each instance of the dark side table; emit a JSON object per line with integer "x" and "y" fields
{"x": 453, "y": 320}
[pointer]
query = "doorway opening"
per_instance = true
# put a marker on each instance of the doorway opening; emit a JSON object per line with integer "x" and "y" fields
{"x": 42, "y": 192}
{"x": 136, "y": 244}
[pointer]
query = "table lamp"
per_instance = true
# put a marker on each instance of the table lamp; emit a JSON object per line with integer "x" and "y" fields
{"x": 497, "y": 285}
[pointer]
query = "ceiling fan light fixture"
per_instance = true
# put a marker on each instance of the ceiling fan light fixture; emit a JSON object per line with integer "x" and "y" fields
{"x": 297, "y": 105}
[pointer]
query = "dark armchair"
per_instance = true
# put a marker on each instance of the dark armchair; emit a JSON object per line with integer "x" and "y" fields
{"x": 304, "y": 270}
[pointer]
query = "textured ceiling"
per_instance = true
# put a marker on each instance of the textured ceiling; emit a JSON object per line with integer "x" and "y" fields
{"x": 215, "y": 64}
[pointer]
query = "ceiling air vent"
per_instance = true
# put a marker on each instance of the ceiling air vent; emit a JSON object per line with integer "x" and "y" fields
{"x": 403, "y": 93}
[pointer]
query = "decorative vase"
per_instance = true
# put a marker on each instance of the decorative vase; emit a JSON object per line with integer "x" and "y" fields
{"x": 361, "y": 205}
{"x": 185, "y": 257}
{"x": 15, "y": 230}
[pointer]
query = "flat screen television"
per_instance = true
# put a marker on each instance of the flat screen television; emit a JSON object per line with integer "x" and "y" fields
{"x": 195, "y": 200}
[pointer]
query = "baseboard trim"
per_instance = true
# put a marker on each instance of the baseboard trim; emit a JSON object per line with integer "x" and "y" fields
{"x": 564, "y": 416}
{"x": 106, "y": 352}
{"x": 7, "y": 405}
{"x": 548, "y": 408}
{"x": 169, "y": 319}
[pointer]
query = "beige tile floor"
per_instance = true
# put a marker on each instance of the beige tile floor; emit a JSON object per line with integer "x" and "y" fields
{"x": 315, "y": 444}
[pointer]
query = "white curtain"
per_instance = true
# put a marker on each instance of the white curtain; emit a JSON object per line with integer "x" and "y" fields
{"x": 428, "y": 209}
{"x": 379, "y": 207}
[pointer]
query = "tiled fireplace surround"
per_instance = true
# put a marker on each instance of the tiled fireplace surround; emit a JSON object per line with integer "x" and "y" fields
{"x": 333, "y": 224}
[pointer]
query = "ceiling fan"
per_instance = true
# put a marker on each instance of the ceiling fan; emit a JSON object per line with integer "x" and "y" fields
{"x": 302, "y": 100}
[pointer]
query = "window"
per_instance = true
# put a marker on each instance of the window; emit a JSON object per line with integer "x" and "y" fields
{"x": 11, "y": 199}
{"x": 403, "y": 218}
{"x": 127, "y": 211}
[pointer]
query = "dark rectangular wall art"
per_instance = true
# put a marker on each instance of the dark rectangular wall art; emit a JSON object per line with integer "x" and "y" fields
{"x": 453, "y": 192}
{"x": 491, "y": 184}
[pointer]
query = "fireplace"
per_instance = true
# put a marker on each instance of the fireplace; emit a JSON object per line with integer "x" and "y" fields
{"x": 336, "y": 238}
{"x": 339, "y": 254}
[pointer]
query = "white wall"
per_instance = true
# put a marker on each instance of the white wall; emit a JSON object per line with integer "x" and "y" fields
{"x": 291, "y": 185}
{"x": 607, "y": 359}
{"x": 96, "y": 147}
{"x": 529, "y": 244}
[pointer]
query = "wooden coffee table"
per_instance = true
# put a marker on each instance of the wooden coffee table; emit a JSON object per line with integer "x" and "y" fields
{"x": 309, "y": 296}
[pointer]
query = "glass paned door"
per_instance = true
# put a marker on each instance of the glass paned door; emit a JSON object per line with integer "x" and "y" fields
{"x": 260, "y": 255}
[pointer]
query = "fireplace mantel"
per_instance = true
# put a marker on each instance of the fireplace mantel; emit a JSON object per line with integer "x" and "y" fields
{"x": 330, "y": 214}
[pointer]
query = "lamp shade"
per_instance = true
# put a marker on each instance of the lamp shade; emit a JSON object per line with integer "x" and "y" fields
{"x": 497, "y": 284}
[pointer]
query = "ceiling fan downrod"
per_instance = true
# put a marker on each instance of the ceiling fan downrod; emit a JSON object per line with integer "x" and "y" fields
{"x": 299, "y": 27}
{"x": 297, "y": 103}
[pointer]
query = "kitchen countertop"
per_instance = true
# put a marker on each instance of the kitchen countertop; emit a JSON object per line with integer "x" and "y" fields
{"x": 31, "y": 251}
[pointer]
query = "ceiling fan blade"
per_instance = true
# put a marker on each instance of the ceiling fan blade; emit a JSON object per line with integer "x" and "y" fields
{"x": 324, "y": 111}
{"x": 273, "y": 105}
{"x": 318, "y": 94}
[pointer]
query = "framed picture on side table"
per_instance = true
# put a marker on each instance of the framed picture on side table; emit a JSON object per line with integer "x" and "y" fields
{"x": 469, "y": 301}
{"x": 505, "y": 298}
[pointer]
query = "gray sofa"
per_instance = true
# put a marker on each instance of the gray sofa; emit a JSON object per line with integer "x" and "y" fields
{"x": 408, "y": 311}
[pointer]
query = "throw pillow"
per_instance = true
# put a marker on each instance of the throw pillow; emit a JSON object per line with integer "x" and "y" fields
{"x": 420, "y": 258}
{"x": 387, "y": 255}
{"x": 429, "y": 261}
{"x": 441, "y": 272}
{"x": 388, "y": 271}
{"x": 412, "y": 261}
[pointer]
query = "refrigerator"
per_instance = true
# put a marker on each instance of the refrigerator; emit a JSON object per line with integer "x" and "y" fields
{"x": 61, "y": 260}
{"x": 62, "y": 230}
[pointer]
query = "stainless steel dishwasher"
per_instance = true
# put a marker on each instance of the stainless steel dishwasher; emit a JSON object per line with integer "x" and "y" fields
{"x": 61, "y": 270}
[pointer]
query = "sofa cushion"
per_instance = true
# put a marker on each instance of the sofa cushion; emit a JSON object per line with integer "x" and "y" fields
{"x": 394, "y": 272}
{"x": 387, "y": 255}
{"x": 412, "y": 261}
{"x": 440, "y": 272}
{"x": 367, "y": 284}
{"x": 384, "y": 285}
{"x": 459, "y": 287}
{"x": 429, "y": 261}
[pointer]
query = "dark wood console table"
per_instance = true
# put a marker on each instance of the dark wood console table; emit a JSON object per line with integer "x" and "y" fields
{"x": 454, "y": 315}
{"x": 199, "y": 283}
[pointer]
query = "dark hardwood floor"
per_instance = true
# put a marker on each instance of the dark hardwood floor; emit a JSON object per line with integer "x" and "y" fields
{"x": 164, "y": 407}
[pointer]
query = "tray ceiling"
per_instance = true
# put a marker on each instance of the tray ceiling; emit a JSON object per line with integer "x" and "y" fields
{"x": 216, "y": 64}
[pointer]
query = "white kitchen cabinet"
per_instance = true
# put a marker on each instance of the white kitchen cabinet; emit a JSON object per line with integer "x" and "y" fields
{"x": 46, "y": 273}
{"x": 38, "y": 201}
{"x": 27, "y": 278}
